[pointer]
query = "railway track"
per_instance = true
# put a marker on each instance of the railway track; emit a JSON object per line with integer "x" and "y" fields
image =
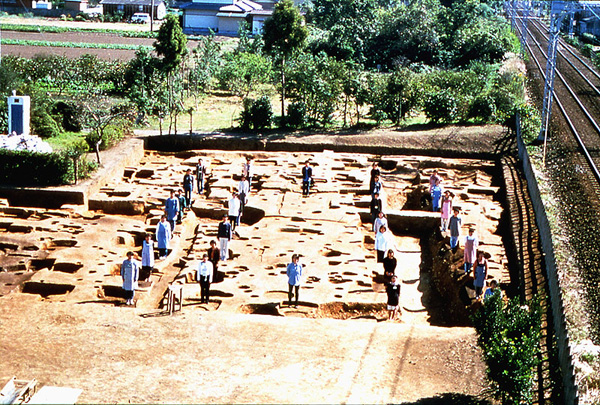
{"x": 576, "y": 97}
{"x": 573, "y": 159}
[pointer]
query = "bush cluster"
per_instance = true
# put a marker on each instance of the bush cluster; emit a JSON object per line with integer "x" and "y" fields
{"x": 257, "y": 114}
{"x": 509, "y": 336}
{"x": 26, "y": 168}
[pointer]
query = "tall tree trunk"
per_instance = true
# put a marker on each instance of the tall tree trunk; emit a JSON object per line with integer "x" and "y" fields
{"x": 345, "y": 109}
{"x": 75, "y": 160}
{"x": 97, "y": 150}
{"x": 191, "y": 122}
{"x": 283, "y": 90}
{"x": 399, "y": 112}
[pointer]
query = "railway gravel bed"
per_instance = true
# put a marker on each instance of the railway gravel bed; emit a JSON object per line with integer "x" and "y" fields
{"x": 572, "y": 198}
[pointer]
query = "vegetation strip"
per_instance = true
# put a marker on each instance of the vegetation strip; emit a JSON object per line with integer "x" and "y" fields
{"x": 72, "y": 44}
{"x": 55, "y": 29}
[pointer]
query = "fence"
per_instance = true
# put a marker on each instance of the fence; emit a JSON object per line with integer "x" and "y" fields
{"x": 560, "y": 325}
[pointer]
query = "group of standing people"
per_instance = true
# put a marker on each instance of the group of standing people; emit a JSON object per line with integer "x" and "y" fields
{"x": 384, "y": 243}
{"x": 475, "y": 262}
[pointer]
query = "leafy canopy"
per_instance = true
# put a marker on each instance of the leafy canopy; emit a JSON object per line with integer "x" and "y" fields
{"x": 171, "y": 43}
{"x": 284, "y": 33}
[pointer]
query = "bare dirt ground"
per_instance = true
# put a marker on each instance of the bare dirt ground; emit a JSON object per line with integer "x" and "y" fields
{"x": 222, "y": 352}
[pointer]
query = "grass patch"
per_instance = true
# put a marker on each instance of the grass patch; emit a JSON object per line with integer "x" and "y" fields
{"x": 64, "y": 140}
{"x": 72, "y": 44}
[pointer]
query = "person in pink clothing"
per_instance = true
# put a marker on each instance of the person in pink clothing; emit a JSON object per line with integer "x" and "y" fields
{"x": 446, "y": 209}
{"x": 471, "y": 245}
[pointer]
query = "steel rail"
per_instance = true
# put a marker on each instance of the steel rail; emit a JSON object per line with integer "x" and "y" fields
{"x": 587, "y": 155}
{"x": 588, "y": 81}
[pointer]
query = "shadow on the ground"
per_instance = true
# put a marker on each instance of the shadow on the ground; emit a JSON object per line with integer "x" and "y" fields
{"x": 451, "y": 399}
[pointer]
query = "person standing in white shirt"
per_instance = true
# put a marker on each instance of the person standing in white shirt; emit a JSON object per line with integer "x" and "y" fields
{"x": 204, "y": 276}
{"x": 243, "y": 192}
{"x": 234, "y": 211}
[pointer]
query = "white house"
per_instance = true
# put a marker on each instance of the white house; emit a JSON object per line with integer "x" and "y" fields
{"x": 221, "y": 16}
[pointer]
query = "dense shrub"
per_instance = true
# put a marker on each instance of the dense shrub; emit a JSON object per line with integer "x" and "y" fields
{"x": 482, "y": 108}
{"x": 111, "y": 134}
{"x": 69, "y": 116}
{"x": 441, "y": 106}
{"x": 257, "y": 114}
{"x": 26, "y": 168}
{"x": 43, "y": 124}
{"x": 531, "y": 122}
{"x": 509, "y": 336}
{"x": 296, "y": 114}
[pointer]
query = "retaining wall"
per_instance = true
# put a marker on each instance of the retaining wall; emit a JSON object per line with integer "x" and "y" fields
{"x": 571, "y": 394}
{"x": 178, "y": 143}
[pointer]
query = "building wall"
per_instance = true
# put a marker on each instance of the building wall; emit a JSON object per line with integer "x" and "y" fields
{"x": 200, "y": 20}
{"x": 230, "y": 25}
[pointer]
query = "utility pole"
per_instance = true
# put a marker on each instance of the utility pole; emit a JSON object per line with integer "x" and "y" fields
{"x": 152, "y": 16}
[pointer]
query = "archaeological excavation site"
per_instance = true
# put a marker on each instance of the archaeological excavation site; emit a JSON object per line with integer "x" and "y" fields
{"x": 60, "y": 286}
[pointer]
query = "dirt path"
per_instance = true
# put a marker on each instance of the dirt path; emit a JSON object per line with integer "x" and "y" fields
{"x": 119, "y": 356}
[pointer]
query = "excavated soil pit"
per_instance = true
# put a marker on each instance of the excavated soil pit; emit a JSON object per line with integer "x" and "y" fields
{"x": 38, "y": 264}
{"x": 113, "y": 291}
{"x": 261, "y": 309}
{"x": 67, "y": 267}
{"x": 352, "y": 310}
{"x": 47, "y": 289}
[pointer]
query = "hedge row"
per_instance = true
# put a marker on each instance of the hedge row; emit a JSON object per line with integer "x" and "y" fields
{"x": 61, "y": 29}
{"x": 26, "y": 168}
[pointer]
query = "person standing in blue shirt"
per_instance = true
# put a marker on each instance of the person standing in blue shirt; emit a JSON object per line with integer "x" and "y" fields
{"x": 172, "y": 209}
{"x": 130, "y": 272}
{"x": 306, "y": 178}
{"x": 454, "y": 226}
{"x": 163, "y": 237}
{"x": 377, "y": 186}
{"x": 436, "y": 195}
{"x": 294, "y": 273}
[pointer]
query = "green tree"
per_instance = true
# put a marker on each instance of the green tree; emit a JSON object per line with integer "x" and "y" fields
{"x": 349, "y": 26}
{"x": 75, "y": 151}
{"x": 257, "y": 114}
{"x": 9, "y": 80}
{"x": 284, "y": 34}
{"x": 317, "y": 81}
{"x": 171, "y": 43}
{"x": 409, "y": 35}
{"x": 242, "y": 72}
{"x": 142, "y": 81}
{"x": 99, "y": 116}
{"x": 204, "y": 63}
{"x": 441, "y": 106}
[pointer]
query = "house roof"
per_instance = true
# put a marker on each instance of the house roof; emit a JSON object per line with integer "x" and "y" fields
{"x": 201, "y": 6}
{"x": 262, "y": 12}
{"x": 132, "y": 2}
{"x": 241, "y": 6}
